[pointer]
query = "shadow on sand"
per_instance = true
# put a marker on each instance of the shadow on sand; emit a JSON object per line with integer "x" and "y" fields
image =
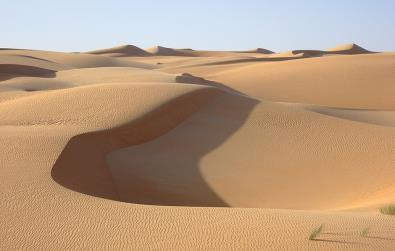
{"x": 82, "y": 165}
{"x": 9, "y": 71}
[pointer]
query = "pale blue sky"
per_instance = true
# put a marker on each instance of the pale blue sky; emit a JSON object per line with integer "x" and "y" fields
{"x": 201, "y": 24}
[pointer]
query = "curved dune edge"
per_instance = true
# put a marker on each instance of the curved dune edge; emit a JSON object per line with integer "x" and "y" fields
{"x": 85, "y": 153}
{"x": 338, "y": 81}
{"x": 122, "y": 51}
{"x": 17, "y": 86}
{"x": 348, "y": 49}
{"x": 267, "y": 133}
{"x": 12, "y": 70}
{"x": 164, "y": 51}
{"x": 261, "y": 50}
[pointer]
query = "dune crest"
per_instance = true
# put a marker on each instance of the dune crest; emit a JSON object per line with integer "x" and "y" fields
{"x": 348, "y": 49}
{"x": 165, "y": 51}
{"x": 262, "y": 51}
{"x": 122, "y": 51}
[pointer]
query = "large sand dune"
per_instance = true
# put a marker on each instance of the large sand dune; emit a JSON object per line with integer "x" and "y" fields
{"x": 183, "y": 149}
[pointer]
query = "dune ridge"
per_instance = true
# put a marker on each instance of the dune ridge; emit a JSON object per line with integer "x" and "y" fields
{"x": 262, "y": 50}
{"x": 165, "y": 51}
{"x": 348, "y": 49}
{"x": 122, "y": 51}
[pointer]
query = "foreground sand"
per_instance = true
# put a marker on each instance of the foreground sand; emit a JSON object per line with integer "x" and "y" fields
{"x": 125, "y": 148}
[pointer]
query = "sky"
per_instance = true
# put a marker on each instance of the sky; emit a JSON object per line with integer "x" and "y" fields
{"x": 199, "y": 24}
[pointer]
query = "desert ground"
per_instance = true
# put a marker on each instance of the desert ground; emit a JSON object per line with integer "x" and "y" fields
{"x": 182, "y": 149}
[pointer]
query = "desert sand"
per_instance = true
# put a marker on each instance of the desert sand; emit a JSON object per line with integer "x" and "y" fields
{"x": 182, "y": 149}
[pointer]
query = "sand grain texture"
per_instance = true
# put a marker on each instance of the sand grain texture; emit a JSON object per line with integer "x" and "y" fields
{"x": 181, "y": 149}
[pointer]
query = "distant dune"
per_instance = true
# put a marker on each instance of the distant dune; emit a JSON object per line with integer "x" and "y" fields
{"x": 182, "y": 149}
{"x": 348, "y": 49}
{"x": 122, "y": 51}
{"x": 344, "y": 82}
{"x": 261, "y": 50}
{"x": 164, "y": 51}
{"x": 134, "y": 51}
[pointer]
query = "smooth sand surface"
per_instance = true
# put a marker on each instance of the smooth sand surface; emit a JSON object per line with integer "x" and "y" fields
{"x": 181, "y": 149}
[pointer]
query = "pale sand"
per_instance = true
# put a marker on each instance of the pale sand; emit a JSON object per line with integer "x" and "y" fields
{"x": 205, "y": 150}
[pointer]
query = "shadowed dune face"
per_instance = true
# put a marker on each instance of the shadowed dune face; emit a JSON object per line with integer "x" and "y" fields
{"x": 267, "y": 137}
{"x": 180, "y": 180}
{"x": 348, "y": 49}
{"x": 8, "y": 71}
{"x": 164, "y": 51}
{"x": 82, "y": 165}
{"x": 122, "y": 51}
{"x": 190, "y": 79}
{"x": 74, "y": 60}
{"x": 263, "y": 51}
{"x": 308, "y": 53}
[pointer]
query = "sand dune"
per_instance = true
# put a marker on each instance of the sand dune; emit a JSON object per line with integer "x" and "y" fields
{"x": 86, "y": 76}
{"x": 12, "y": 70}
{"x": 345, "y": 49}
{"x": 121, "y": 51}
{"x": 164, "y": 51}
{"x": 262, "y": 50}
{"x": 123, "y": 148}
{"x": 329, "y": 81}
{"x": 258, "y": 168}
{"x": 133, "y": 51}
{"x": 348, "y": 49}
{"x": 22, "y": 65}
{"x": 75, "y": 60}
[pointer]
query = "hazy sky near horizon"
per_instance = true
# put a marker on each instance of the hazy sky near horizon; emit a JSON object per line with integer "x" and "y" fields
{"x": 201, "y": 24}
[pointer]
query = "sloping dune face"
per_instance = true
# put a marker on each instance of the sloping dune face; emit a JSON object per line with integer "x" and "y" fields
{"x": 110, "y": 150}
{"x": 348, "y": 49}
{"x": 122, "y": 51}
{"x": 358, "y": 81}
{"x": 254, "y": 148}
{"x": 262, "y": 50}
{"x": 164, "y": 51}
{"x": 73, "y": 60}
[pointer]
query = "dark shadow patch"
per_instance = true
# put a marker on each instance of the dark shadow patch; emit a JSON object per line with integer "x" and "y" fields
{"x": 338, "y": 241}
{"x": 309, "y": 53}
{"x": 15, "y": 70}
{"x": 379, "y": 238}
{"x": 11, "y": 49}
{"x": 168, "y": 171}
{"x": 31, "y": 57}
{"x": 338, "y": 234}
{"x": 30, "y": 90}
